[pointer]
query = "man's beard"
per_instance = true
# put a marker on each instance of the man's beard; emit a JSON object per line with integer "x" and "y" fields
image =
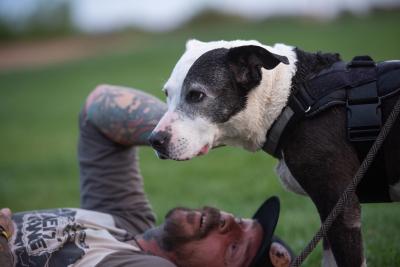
{"x": 173, "y": 237}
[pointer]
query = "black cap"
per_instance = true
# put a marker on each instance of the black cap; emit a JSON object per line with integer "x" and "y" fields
{"x": 267, "y": 215}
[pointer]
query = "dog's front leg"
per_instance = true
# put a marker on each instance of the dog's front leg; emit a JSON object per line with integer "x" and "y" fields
{"x": 325, "y": 188}
{"x": 323, "y": 162}
{"x": 345, "y": 240}
{"x": 328, "y": 259}
{"x": 345, "y": 235}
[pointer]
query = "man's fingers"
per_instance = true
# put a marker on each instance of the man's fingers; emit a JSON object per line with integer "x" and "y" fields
{"x": 6, "y": 222}
{"x": 279, "y": 255}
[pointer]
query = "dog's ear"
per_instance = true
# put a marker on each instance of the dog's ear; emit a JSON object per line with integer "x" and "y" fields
{"x": 193, "y": 43}
{"x": 246, "y": 61}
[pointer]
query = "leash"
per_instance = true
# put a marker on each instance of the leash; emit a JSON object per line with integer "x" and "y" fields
{"x": 339, "y": 207}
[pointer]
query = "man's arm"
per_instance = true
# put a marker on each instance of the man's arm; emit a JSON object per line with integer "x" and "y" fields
{"x": 124, "y": 115}
{"x": 113, "y": 121}
{"x": 6, "y": 231}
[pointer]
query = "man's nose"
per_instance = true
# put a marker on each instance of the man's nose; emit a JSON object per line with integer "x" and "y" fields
{"x": 227, "y": 223}
{"x": 159, "y": 140}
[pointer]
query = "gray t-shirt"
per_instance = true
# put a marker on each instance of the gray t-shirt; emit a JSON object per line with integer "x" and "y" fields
{"x": 114, "y": 208}
{"x": 75, "y": 237}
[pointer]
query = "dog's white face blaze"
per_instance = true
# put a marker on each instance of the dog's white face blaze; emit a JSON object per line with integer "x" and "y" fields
{"x": 189, "y": 138}
{"x": 194, "y": 136}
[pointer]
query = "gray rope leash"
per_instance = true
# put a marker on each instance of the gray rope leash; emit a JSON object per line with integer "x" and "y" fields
{"x": 339, "y": 207}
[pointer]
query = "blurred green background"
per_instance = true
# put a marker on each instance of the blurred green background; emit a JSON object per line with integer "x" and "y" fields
{"x": 38, "y": 127}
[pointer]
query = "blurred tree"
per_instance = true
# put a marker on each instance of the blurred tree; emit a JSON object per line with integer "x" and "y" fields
{"x": 47, "y": 18}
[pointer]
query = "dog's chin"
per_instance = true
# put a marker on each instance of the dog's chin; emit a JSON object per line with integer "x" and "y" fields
{"x": 204, "y": 150}
{"x": 186, "y": 156}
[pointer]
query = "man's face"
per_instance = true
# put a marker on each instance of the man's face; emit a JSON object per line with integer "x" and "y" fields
{"x": 209, "y": 237}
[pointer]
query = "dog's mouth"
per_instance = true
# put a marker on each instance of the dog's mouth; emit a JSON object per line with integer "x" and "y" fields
{"x": 204, "y": 150}
{"x": 161, "y": 155}
{"x": 165, "y": 156}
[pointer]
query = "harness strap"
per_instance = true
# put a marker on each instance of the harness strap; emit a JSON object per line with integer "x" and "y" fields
{"x": 276, "y": 132}
{"x": 353, "y": 84}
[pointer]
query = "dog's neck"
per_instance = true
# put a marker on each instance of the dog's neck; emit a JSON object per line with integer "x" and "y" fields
{"x": 248, "y": 128}
{"x": 311, "y": 63}
{"x": 267, "y": 100}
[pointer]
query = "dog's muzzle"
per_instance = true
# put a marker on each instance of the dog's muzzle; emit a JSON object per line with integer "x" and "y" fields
{"x": 159, "y": 141}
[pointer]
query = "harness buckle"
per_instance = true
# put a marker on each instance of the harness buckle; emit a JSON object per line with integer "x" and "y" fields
{"x": 364, "y": 116}
{"x": 301, "y": 101}
{"x": 361, "y": 61}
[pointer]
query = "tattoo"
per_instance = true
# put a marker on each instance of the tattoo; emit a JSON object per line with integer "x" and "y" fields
{"x": 156, "y": 235}
{"x": 153, "y": 234}
{"x": 150, "y": 234}
{"x": 126, "y": 116}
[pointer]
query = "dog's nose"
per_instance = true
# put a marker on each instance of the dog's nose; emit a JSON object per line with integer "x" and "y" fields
{"x": 159, "y": 141}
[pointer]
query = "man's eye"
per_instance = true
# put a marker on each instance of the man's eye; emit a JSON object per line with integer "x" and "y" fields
{"x": 232, "y": 254}
{"x": 234, "y": 247}
{"x": 195, "y": 96}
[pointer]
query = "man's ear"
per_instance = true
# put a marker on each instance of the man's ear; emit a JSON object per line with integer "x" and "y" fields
{"x": 246, "y": 61}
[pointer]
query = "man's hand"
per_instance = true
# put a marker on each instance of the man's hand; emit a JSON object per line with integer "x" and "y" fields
{"x": 6, "y": 223}
{"x": 6, "y": 232}
{"x": 279, "y": 255}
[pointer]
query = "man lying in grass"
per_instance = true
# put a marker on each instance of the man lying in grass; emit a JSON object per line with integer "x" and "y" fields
{"x": 115, "y": 225}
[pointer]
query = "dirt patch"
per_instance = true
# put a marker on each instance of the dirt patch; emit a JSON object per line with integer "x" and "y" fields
{"x": 18, "y": 55}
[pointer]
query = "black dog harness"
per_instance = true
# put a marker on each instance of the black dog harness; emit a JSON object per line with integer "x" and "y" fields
{"x": 361, "y": 85}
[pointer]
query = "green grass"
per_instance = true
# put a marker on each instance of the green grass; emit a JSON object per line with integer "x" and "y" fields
{"x": 38, "y": 130}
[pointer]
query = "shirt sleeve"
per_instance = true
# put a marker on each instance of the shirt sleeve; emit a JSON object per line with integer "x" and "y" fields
{"x": 111, "y": 181}
{"x": 126, "y": 259}
{"x": 6, "y": 259}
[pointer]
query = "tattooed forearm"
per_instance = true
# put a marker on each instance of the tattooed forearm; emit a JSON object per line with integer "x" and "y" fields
{"x": 126, "y": 116}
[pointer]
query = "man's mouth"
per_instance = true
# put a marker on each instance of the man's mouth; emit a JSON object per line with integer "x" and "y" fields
{"x": 205, "y": 223}
{"x": 209, "y": 219}
{"x": 203, "y": 220}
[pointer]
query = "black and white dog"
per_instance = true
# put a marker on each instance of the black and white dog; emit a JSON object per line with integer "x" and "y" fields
{"x": 232, "y": 92}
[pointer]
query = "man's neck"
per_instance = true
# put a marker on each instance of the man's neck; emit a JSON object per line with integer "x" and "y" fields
{"x": 150, "y": 242}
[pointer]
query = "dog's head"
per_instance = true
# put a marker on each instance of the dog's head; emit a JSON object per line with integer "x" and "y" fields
{"x": 208, "y": 87}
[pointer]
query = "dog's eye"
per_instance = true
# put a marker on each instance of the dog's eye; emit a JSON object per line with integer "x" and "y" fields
{"x": 195, "y": 96}
{"x": 166, "y": 93}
